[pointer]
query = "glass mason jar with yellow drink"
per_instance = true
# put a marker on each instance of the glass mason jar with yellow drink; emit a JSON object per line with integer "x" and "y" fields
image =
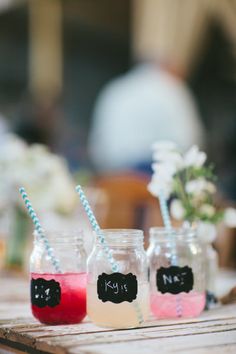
{"x": 118, "y": 299}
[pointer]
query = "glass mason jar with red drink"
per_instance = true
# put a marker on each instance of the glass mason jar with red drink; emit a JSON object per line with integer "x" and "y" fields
{"x": 59, "y": 297}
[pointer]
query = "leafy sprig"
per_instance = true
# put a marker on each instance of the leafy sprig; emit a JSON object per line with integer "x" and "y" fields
{"x": 192, "y": 202}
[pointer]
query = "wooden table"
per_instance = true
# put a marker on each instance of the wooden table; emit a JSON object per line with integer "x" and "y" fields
{"x": 213, "y": 332}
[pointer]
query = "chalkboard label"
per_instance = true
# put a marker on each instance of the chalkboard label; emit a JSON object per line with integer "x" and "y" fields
{"x": 174, "y": 279}
{"x": 117, "y": 287}
{"x": 45, "y": 292}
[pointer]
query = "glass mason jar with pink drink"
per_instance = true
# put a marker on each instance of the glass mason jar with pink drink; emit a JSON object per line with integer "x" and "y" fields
{"x": 59, "y": 297}
{"x": 177, "y": 279}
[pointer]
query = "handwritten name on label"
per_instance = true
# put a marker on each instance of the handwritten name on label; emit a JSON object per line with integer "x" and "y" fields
{"x": 45, "y": 292}
{"x": 174, "y": 279}
{"x": 117, "y": 287}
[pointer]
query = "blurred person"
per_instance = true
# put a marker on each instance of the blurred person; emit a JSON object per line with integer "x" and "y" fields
{"x": 145, "y": 105}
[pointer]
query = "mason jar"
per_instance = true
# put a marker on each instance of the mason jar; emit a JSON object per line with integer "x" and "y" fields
{"x": 59, "y": 297}
{"x": 177, "y": 277}
{"x": 118, "y": 299}
{"x": 206, "y": 234}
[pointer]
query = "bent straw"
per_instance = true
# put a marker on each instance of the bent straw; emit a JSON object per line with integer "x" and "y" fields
{"x": 102, "y": 240}
{"x": 39, "y": 230}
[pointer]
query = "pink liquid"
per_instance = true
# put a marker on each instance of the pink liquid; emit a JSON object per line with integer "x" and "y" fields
{"x": 189, "y": 304}
{"x": 72, "y": 306}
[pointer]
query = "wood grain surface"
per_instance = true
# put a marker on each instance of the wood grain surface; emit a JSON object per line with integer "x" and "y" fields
{"x": 213, "y": 332}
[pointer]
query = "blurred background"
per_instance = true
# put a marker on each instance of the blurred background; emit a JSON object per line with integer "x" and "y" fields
{"x": 98, "y": 82}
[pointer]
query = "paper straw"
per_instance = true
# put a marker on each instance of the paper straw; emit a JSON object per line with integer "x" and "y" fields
{"x": 167, "y": 223}
{"x": 165, "y": 212}
{"x": 102, "y": 240}
{"x": 40, "y": 230}
{"x": 97, "y": 229}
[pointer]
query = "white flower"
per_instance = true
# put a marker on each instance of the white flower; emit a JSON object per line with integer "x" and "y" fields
{"x": 167, "y": 160}
{"x": 194, "y": 157}
{"x": 177, "y": 209}
{"x": 51, "y": 187}
{"x": 162, "y": 179}
{"x": 200, "y": 185}
{"x": 195, "y": 186}
{"x": 167, "y": 152}
{"x": 208, "y": 210}
{"x": 198, "y": 199}
{"x": 166, "y": 170}
{"x": 230, "y": 217}
{"x": 159, "y": 185}
{"x": 206, "y": 232}
{"x": 169, "y": 157}
{"x": 12, "y": 148}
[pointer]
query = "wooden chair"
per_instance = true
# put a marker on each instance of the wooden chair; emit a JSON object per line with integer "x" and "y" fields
{"x": 130, "y": 205}
{"x": 226, "y": 247}
{"x": 226, "y": 238}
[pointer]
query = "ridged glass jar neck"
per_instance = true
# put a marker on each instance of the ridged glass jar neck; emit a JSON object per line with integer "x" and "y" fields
{"x": 160, "y": 234}
{"x": 60, "y": 239}
{"x": 121, "y": 238}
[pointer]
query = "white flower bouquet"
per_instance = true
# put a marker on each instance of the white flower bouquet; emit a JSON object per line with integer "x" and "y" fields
{"x": 186, "y": 181}
{"x": 189, "y": 184}
{"x": 44, "y": 175}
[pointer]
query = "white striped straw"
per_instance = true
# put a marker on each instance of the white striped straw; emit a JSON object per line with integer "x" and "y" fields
{"x": 97, "y": 229}
{"x": 165, "y": 212}
{"x": 103, "y": 242}
{"x": 40, "y": 231}
{"x": 167, "y": 223}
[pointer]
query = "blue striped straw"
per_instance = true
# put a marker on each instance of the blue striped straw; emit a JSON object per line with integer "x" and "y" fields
{"x": 97, "y": 229}
{"x": 167, "y": 223}
{"x": 165, "y": 212}
{"x": 40, "y": 230}
{"x": 102, "y": 240}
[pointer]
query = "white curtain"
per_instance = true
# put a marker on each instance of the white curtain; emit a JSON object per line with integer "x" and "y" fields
{"x": 174, "y": 31}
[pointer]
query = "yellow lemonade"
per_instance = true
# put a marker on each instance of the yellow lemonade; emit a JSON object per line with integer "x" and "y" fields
{"x": 122, "y": 315}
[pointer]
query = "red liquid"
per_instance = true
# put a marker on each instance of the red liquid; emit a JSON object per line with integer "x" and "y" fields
{"x": 72, "y": 306}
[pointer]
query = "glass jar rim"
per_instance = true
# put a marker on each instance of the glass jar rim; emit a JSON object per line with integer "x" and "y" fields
{"x": 63, "y": 237}
{"x": 122, "y": 236}
{"x": 161, "y": 233}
